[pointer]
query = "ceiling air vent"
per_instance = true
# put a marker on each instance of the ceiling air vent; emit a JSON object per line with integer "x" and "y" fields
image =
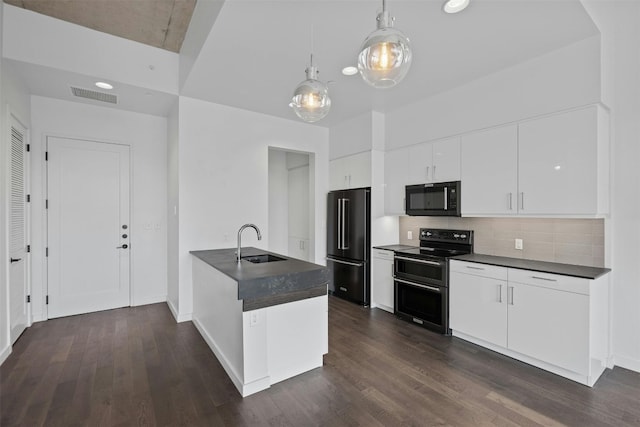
{"x": 95, "y": 95}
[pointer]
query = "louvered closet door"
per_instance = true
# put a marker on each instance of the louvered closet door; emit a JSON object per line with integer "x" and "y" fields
{"x": 18, "y": 226}
{"x": 88, "y": 226}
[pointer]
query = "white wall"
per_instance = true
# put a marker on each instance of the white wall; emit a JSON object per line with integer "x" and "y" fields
{"x": 618, "y": 24}
{"x": 5, "y": 349}
{"x": 28, "y": 38}
{"x": 278, "y": 202}
{"x": 565, "y": 78}
{"x": 351, "y": 136}
{"x": 147, "y": 136}
{"x": 224, "y": 178}
{"x": 173, "y": 208}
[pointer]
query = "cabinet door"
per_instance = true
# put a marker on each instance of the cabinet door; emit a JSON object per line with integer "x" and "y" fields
{"x": 490, "y": 171}
{"x": 478, "y": 307}
{"x": 359, "y": 170}
{"x": 446, "y": 160}
{"x": 421, "y": 163}
{"x": 338, "y": 174}
{"x": 382, "y": 294}
{"x": 558, "y": 167}
{"x": 395, "y": 178}
{"x": 549, "y": 325}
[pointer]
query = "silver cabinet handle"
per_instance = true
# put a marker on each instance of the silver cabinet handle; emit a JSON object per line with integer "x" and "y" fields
{"x": 500, "y": 294}
{"x": 427, "y": 173}
{"x": 543, "y": 278}
{"x": 345, "y": 262}
{"x": 418, "y": 260}
{"x": 475, "y": 268}
{"x": 510, "y": 295}
{"x": 431, "y": 288}
{"x": 510, "y": 201}
{"x": 433, "y": 176}
{"x": 522, "y": 200}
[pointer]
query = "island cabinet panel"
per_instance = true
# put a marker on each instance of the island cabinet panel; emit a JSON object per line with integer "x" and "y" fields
{"x": 555, "y": 322}
{"x": 279, "y": 329}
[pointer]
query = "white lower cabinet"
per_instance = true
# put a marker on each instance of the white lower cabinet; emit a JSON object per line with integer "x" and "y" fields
{"x": 558, "y": 323}
{"x": 382, "y": 293}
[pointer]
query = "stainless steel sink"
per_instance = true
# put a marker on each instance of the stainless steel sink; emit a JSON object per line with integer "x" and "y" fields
{"x": 259, "y": 259}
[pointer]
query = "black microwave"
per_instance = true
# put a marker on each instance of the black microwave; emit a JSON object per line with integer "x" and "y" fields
{"x": 437, "y": 199}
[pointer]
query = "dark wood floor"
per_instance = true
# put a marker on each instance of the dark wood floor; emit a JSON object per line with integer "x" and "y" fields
{"x": 136, "y": 366}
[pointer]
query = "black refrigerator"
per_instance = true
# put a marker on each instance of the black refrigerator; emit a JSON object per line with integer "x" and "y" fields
{"x": 348, "y": 244}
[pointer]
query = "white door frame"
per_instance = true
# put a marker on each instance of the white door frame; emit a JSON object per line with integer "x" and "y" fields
{"x": 45, "y": 222}
{"x": 12, "y": 118}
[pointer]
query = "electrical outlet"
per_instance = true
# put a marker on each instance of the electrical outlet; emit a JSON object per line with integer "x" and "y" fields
{"x": 410, "y": 235}
{"x": 519, "y": 244}
{"x": 253, "y": 319}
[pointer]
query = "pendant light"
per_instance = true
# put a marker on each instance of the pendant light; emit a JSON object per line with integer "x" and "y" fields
{"x": 311, "y": 100}
{"x": 385, "y": 56}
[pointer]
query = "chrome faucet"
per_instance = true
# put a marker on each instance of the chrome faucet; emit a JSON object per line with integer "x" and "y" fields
{"x": 255, "y": 227}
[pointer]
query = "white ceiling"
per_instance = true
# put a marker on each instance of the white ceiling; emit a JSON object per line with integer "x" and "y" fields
{"x": 257, "y": 51}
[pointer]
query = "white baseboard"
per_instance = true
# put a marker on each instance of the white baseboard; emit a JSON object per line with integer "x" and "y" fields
{"x": 244, "y": 389}
{"x": 179, "y": 318}
{"x": 4, "y": 354}
{"x": 149, "y": 299}
{"x": 627, "y": 363}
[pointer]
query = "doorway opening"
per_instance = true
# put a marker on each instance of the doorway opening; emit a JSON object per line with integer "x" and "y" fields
{"x": 292, "y": 203}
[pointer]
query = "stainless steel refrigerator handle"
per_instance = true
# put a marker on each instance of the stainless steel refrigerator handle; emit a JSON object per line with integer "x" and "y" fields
{"x": 345, "y": 218}
{"x": 339, "y": 225}
{"x": 418, "y": 260}
{"x": 431, "y": 288}
{"x": 355, "y": 264}
{"x": 446, "y": 199}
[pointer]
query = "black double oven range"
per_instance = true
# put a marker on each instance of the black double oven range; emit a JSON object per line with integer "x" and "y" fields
{"x": 421, "y": 277}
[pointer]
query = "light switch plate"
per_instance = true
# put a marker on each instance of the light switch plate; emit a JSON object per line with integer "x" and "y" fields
{"x": 410, "y": 235}
{"x": 519, "y": 244}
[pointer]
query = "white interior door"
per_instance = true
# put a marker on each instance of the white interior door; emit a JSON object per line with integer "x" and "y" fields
{"x": 88, "y": 226}
{"x": 18, "y": 283}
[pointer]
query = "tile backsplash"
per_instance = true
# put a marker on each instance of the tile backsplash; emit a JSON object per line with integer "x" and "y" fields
{"x": 569, "y": 241}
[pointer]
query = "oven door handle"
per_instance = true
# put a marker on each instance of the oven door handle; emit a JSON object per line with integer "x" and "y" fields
{"x": 431, "y": 288}
{"x": 418, "y": 260}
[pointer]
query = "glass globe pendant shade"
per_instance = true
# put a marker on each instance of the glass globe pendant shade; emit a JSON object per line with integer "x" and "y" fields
{"x": 311, "y": 100}
{"x": 385, "y": 56}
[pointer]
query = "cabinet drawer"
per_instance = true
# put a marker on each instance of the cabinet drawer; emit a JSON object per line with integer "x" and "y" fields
{"x": 477, "y": 269}
{"x": 382, "y": 253}
{"x": 551, "y": 281}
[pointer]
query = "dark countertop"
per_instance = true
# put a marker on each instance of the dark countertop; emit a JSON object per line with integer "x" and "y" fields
{"x": 582, "y": 271}
{"x": 265, "y": 280}
{"x": 395, "y": 248}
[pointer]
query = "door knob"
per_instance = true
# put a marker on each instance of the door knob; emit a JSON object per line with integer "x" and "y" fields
{"x": 125, "y": 246}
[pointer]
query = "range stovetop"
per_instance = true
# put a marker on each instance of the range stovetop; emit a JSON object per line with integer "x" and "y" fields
{"x": 442, "y": 243}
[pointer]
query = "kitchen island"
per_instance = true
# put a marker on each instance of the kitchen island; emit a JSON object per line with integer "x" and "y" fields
{"x": 265, "y": 320}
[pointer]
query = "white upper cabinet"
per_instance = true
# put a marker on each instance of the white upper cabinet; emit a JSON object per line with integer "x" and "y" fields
{"x": 437, "y": 161}
{"x": 558, "y": 163}
{"x": 350, "y": 172}
{"x": 396, "y": 176}
{"x": 490, "y": 172}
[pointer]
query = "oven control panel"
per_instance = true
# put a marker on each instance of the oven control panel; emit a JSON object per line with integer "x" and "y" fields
{"x": 441, "y": 235}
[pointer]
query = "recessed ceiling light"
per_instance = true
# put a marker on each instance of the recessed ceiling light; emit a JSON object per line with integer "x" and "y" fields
{"x": 455, "y": 6}
{"x": 350, "y": 70}
{"x": 103, "y": 85}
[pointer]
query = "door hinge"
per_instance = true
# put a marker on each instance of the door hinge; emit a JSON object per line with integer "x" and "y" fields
{"x": 28, "y": 148}
{"x": 28, "y": 198}
{"x": 28, "y": 248}
{"x": 46, "y": 252}
{"x": 47, "y": 299}
{"x": 46, "y": 156}
{"x": 28, "y": 298}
